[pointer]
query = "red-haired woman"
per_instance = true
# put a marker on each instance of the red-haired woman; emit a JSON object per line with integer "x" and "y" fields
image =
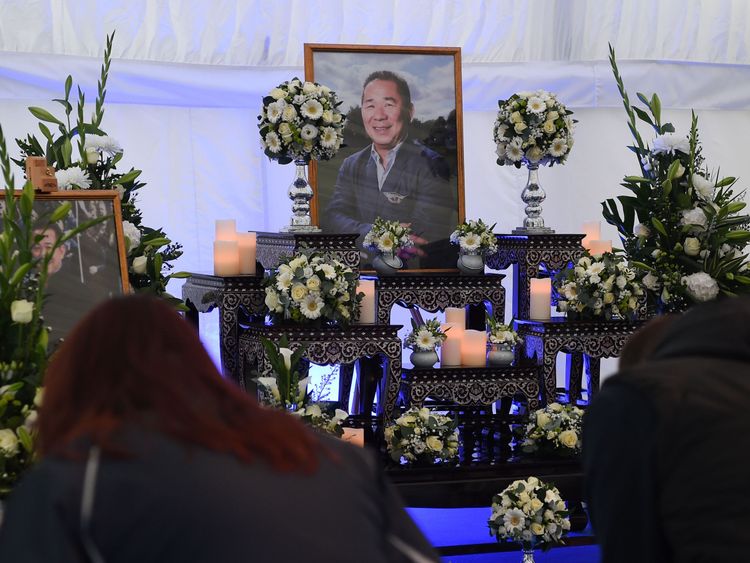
{"x": 149, "y": 455}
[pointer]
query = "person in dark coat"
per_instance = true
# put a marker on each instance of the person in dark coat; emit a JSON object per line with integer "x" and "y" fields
{"x": 664, "y": 443}
{"x": 148, "y": 455}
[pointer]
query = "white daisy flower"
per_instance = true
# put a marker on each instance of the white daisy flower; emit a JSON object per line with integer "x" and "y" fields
{"x": 312, "y": 109}
{"x": 470, "y": 241}
{"x": 328, "y": 138}
{"x": 275, "y": 110}
{"x": 558, "y": 147}
{"x": 311, "y": 306}
{"x": 514, "y": 152}
{"x": 536, "y": 104}
{"x": 386, "y": 242}
{"x": 273, "y": 143}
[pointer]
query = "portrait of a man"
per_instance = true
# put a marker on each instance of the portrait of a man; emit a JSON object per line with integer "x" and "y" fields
{"x": 401, "y": 158}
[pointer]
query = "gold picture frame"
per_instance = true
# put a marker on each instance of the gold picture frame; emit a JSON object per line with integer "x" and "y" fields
{"x": 424, "y": 185}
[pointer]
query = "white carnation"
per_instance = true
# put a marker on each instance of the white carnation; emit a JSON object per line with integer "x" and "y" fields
{"x": 701, "y": 286}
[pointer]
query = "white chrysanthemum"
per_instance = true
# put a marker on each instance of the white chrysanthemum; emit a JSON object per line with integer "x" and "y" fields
{"x": 670, "y": 142}
{"x": 312, "y": 109}
{"x": 470, "y": 241}
{"x": 694, "y": 217}
{"x": 536, "y": 105}
{"x": 284, "y": 280}
{"x": 132, "y": 234}
{"x": 558, "y": 147}
{"x": 308, "y": 132}
{"x": 311, "y": 306}
{"x": 328, "y": 271}
{"x": 704, "y": 187}
{"x": 275, "y": 110}
{"x": 425, "y": 340}
{"x": 73, "y": 177}
{"x": 328, "y": 138}
{"x": 273, "y": 143}
{"x": 102, "y": 143}
{"x": 701, "y": 286}
{"x": 514, "y": 520}
{"x": 514, "y": 152}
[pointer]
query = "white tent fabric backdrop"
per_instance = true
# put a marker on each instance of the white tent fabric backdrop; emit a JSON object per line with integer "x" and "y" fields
{"x": 188, "y": 75}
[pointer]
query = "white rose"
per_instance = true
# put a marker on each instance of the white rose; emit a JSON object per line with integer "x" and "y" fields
{"x": 8, "y": 442}
{"x": 515, "y": 117}
{"x": 537, "y": 529}
{"x": 434, "y": 443}
{"x": 692, "y": 246}
{"x": 139, "y": 264}
{"x": 568, "y": 438}
{"x": 92, "y": 155}
{"x": 22, "y": 311}
{"x": 298, "y": 292}
{"x": 309, "y": 88}
{"x": 548, "y": 127}
{"x": 520, "y": 127}
{"x": 132, "y": 234}
{"x": 277, "y": 93}
{"x": 542, "y": 419}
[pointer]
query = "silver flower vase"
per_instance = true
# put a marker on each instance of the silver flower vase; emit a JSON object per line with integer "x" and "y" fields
{"x": 470, "y": 262}
{"x": 533, "y": 195}
{"x": 501, "y": 355}
{"x": 300, "y": 192}
{"x": 423, "y": 358}
{"x": 387, "y": 263}
{"x": 528, "y": 554}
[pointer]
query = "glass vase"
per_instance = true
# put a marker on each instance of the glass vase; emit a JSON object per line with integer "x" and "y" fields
{"x": 533, "y": 195}
{"x": 527, "y": 554}
{"x": 300, "y": 192}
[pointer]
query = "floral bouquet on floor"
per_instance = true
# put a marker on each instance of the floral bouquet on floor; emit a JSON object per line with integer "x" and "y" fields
{"x": 312, "y": 286}
{"x": 554, "y": 429}
{"x": 533, "y": 127}
{"x": 600, "y": 286}
{"x": 475, "y": 236}
{"x": 287, "y": 390}
{"x": 682, "y": 226}
{"x": 301, "y": 120}
{"x": 531, "y": 513}
{"x": 422, "y": 436}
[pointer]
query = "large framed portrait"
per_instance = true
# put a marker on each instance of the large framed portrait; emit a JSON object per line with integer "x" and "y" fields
{"x": 91, "y": 266}
{"x": 403, "y": 153}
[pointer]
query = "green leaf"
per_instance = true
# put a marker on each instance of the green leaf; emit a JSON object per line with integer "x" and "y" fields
{"x": 68, "y": 86}
{"x": 20, "y": 273}
{"x": 726, "y": 181}
{"x": 128, "y": 177}
{"x": 66, "y": 151}
{"x": 658, "y": 226}
{"x": 735, "y": 207}
{"x": 656, "y": 107}
{"x": 178, "y": 275}
{"x": 44, "y": 115}
{"x": 62, "y": 211}
{"x": 45, "y": 131}
{"x": 738, "y": 236}
{"x": 25, "y": 438}
{"x": 643, "y": 115}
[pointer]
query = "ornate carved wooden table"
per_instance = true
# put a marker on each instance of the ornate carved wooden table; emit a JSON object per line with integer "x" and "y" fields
{"x": 527, "y": 253}
{"x": 473, "y": 386}
{"x": 593, "y": 339}
{"x": 433, "y": 292}
{"x": 329, "y": 345}
{"x": 238, "y": 298}
{"x": 272, "y": 246}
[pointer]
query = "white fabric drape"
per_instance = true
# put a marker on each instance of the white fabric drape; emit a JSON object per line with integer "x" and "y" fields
{"x": 188, "y": 75}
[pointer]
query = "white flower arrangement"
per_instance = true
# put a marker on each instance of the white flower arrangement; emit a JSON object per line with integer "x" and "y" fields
{"x": 500, "y": 333}
{"x": 286, "y": 390}
{"x": 530, "y": 512}
{"x": 554, "y": 429}
{"x": 312, "y": 286}
{"x": 533, "y": 128}
{"x": 683, "y": 225}
{"x": 301, "y": 120}
{"x": 475, "y": 236}
{"x": 425, "y": 337}
{"x": 598, "y": 286}
{"x": 420, "y": 435}
{"x": 387, "y": 236}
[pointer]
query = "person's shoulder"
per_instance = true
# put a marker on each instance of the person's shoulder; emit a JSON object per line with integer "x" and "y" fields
{"x": 362, "y": 155}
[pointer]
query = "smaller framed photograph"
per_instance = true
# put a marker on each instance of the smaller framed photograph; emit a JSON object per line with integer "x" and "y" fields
{"x": 89, "y": 268}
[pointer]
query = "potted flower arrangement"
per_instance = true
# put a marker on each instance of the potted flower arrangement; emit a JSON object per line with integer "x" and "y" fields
{"x": 423, "y": 340}
{"x": 150, "y": 252}
{"x": 554, "y": 429}
{"x": 422, "y": 436}
{"x": 599, "y": 286}
{"x": 286, "y": 390}
{"x": 533, "y": 129}
{"x": 24, "y": 336}
{"x": 503, "y": 339}
{"x": 299, "y": 122}
{"x": 682, "y": 227}
{"x": 530, "y": 512}
{"x": 312, "y": 287}
{"x": 474, "y": 240}
{"x": 386, "y": 239}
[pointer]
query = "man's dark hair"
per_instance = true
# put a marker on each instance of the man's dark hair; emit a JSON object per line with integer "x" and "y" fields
{"x": 401, "y": 86}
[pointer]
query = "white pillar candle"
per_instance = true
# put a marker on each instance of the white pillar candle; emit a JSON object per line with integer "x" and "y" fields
{"x": 541, "y": 298}
{"x": 226, "y": 258}
{"x": 599, "y": 247}
{"x": 355, "y": 436}
{"x": 456, "y": 315}
{"x": 246, "y": 245}
{"x": 226, "y": 229}
{"x": 474, "y": 348}
{"x": 592, "y": 231}
{"x": 450, "y": 349}
{"x": 367, "y": 305}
